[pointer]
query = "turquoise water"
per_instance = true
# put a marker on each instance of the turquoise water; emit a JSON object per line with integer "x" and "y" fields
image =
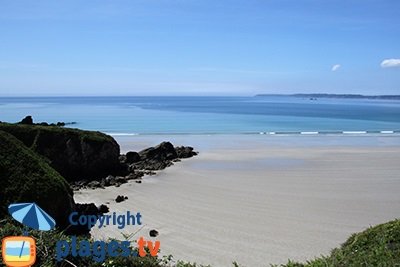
{"x": 207, "y": 115}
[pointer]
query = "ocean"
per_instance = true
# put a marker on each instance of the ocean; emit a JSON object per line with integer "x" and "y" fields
{"x": 210, "y": 115}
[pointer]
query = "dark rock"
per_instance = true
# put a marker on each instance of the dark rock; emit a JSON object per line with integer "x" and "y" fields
{"x": 140, "y": 173}
{"x": 162, "y": 152}
{"x": 121, "y": 198}
{"x": 94, "y": 184}
{"x": 79, "y": 184}
{"x": 132, "y": 168}
{"x": 109, "y": 180}
{"x": 185, "y": 152}
{"x": 135, "y": 175}
{"x": 27, "y": 120}
{"x": 59, "y": 124}
{"x": 132, "y": 157}
{"x": 153, "y": 233}
{"x": 153, "y": 165}
{"x": 103, "y": 208}
{"x": 122, "y": 159}
{"x": 120, "y": 180}
{"x": 138, "y": 181}
{"x": 161, "y": 156}
{"x": 87, "y": 208}
{"x": 83, "y": 209}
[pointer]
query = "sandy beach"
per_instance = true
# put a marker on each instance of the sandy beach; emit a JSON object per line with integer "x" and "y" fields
{"x": 259, "y": 200}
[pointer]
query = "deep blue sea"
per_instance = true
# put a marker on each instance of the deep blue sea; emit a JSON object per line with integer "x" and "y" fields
{"x": 208, "y": 115}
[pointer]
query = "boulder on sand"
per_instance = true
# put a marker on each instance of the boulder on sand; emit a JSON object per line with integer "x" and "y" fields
{"x": 162, "y": 152}
{"x": 185, "y": 152}
{"x": 161, "y": 156}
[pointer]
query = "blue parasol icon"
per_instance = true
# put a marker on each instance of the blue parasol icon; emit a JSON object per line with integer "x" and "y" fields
{"x": 30, "y": 214}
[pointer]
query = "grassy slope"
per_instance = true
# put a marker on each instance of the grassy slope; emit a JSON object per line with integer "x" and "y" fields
{"x": 26, "y": 177}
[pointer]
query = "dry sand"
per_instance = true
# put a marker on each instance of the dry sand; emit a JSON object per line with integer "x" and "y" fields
{"x": 257, "y": 201}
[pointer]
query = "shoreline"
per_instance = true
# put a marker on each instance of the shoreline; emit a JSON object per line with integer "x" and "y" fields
{"x": 258, "y": 201}
{"x": 213, "y": 142}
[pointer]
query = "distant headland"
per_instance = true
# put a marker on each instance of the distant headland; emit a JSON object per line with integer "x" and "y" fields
{"x": 346, "y": 96}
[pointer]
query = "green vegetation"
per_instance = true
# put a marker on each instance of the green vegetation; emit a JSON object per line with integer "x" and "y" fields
{"x": 376, "y": 246}
{"x": 26, "y": 177}
{"x": 29, "y": 134}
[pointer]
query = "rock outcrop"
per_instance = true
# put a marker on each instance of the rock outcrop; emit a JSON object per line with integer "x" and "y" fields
{"x": 138, "y": 164}
{"x": 158, "y": 157}
{"x": 74, "y": 153}
{"x": 184, "y": 152}
{"x": 28, "y": 120}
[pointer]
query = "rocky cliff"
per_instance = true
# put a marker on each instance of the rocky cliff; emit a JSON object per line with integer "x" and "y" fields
{"x": 75, "y": 154}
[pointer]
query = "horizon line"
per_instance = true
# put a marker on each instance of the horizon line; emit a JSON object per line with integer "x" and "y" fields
{"x": 254, "y": 95}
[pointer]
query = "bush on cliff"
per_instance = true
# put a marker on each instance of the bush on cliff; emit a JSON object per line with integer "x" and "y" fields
{"x": 26, "y": 177}
{"x": 75, "y": 154}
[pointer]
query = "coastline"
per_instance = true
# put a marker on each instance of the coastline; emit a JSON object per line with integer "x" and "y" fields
{"x": 258, "y": 200}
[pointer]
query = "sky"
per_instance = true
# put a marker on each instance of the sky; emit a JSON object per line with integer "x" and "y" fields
{"x": 198, "y": 47}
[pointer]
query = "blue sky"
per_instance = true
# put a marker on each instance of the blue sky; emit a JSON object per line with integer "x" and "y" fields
{"x": 194, "y": 47}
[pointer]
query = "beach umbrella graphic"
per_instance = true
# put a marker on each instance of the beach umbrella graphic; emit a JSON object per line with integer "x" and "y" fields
{"x": 31, "y": 215}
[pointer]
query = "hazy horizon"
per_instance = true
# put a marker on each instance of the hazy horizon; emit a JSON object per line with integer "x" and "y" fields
{"x": 199, "y": 95}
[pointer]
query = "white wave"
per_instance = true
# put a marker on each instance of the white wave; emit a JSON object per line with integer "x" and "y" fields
{"x": 354, "y": 132}
{"x": 122, "y": 134}
{"x": 309, "y": 132}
